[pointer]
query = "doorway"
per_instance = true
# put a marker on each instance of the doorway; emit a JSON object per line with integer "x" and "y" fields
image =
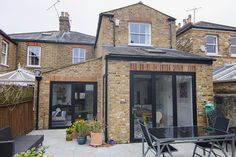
{"x": 161, "y": 99}
{"x": 70, "y": 101}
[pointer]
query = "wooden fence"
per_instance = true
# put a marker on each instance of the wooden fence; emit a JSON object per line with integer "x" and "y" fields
{"x": 19, "y": 117}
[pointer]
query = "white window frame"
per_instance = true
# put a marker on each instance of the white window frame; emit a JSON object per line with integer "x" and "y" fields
{"x": 4, "y": 53}
{"x": 139, "y": 44}
{"x": 216, "y": 45}
{"x": 79, "y": 59}
{"x": 232, "y": 54}
{"x": 28, "y": 65}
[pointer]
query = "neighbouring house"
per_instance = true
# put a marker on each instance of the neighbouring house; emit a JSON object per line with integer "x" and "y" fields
{"x": 208, "y": 39}
{"x": 53, "y": 49}
{"x": 131, "y": 70}
{"x": 8, "y": 53}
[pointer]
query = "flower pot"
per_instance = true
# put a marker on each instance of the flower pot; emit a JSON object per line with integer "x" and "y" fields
{"x": 82, "y": 140}
{"x": 96, "y": 139}
{"x": 68, "y": 137}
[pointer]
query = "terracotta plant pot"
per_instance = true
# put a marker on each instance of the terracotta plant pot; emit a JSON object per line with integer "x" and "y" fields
{"x": 96, "y": 139}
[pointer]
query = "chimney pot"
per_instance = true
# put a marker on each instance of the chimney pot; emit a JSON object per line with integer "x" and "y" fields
{"x": 189, "y": 19}
{"x": 184, "y": 21}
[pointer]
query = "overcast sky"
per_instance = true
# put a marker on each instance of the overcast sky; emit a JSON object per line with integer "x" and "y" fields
{"x": 18, "y": 16}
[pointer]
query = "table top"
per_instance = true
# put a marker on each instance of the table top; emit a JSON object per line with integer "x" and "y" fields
{"x": 187, "y": 133}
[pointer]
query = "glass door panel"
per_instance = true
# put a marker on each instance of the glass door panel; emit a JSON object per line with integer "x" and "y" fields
{"x": 142, "y": 107}
{"x": 61, "y": 105}
{"x": 164, "y": 100}
{"x": 184, "y": 100}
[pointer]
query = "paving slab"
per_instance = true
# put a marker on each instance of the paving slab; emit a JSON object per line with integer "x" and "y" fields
{"x": 58, "y": 147}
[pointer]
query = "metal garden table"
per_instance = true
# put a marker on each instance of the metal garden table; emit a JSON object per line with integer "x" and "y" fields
{"x": 190, "y": 134}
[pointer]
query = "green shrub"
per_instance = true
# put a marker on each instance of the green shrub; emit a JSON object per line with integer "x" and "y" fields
{"x": 33, "y": 153}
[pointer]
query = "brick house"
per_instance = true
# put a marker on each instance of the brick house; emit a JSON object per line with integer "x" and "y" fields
{"x": 131, "y": 70}
{"x": 208, "y": 39}
{"x": 8, "y": 53}
{"x": 52, "y": 49}
{"x": 136, "y": 73}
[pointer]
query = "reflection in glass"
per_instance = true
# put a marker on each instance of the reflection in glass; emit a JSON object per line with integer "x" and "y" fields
{"x": 164, "y": 101}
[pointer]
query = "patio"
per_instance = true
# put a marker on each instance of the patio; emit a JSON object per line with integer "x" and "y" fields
{"x": 58, "y": 147}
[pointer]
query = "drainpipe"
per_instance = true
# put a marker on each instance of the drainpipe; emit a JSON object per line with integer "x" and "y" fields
{"x": 114, "y": 26}
{"x": 170, "y": 30}
{"x": 38, "y": 77}
{"x": 106, "y": 97}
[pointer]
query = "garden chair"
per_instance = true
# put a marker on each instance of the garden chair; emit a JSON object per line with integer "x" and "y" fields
{"x": 165, "y": 148}
{"x": 221, "y": 124}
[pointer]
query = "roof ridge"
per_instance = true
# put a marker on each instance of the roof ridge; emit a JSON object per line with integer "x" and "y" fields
{"x": 140, "y": 2}
{"x": 32, "y": 32}
{"x": 215, "y": 24}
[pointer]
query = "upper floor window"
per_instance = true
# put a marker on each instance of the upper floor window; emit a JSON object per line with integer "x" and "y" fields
{"x": 4, "y": 53}
{"x": 79, "y": 55}
{"x": 212, "y": 44}
{"x": 233, "y": 46}
{"x": 139, "y": 34}
{"x": 33, "y": 57}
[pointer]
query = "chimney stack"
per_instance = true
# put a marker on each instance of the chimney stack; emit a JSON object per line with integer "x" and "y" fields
{"x": 189, "y": 19}
{"x": 64, "y": 22}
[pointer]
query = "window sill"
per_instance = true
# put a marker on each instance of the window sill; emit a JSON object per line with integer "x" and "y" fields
{"x": 213, "y": 55}
{"x": 143, "y": 45}
{"x": 33, "y": 66}
{"x": 5, "y": 65}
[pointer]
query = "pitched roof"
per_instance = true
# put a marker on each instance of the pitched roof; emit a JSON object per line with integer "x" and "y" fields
{"x": 205, "y": 25}
{"x": 139, "y": 4}
{"x": 55, "y": 37}
{"x": 226, "y": 73}
{"x": 110, "y": 14}
{"x": 155, "y": 54}
{"x": 6, "y": 36}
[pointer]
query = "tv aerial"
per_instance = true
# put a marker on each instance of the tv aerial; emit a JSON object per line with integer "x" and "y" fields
{"x": 194, "y": 12}
{"x": 54, "y": 6}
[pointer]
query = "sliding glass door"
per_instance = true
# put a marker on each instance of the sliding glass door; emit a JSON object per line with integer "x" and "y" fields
{"x": 162, "y": 99}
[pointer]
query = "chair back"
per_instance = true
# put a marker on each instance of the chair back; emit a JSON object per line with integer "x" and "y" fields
{"x": 146, "y": 133}
{"x": 222, "y": 124}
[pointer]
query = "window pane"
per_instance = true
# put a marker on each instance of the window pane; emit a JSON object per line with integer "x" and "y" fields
{"x": 233, "y": 41}
{"x": 4, "y": 47}
{"x": 134, "y": 39}
{"x": 76, "y": 53}
{"x": 75, "y": 60}
{"x": 3, "y": 59}
{"x": 34, "y": 55}
{"x": 82, "y": 53}
{"x": 233, "y": 49}
{"x": 134, "y": 28}
{"x": 211, "y": 39}
{"x": 144, "y": 28}
{"x": 211, "y": 49}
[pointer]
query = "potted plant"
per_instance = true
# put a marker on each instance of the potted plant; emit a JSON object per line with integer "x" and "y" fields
{"x": 95, "y": 132}
{"x": 69, "y": 132}
{"x": 82, "y": 129}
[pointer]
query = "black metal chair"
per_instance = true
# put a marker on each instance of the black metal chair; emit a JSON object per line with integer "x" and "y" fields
{"x": 221, "y": 124}
{"x": 164, "y": 148}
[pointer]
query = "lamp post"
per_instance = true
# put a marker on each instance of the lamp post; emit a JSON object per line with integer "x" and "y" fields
{"x": 38, "y": 77}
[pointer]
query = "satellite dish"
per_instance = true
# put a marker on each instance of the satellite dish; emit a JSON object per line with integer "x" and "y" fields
{"x": 203, "y": 48}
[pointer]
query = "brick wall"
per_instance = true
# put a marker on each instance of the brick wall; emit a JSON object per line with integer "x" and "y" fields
{"x": 191, "y": 41}
{"x": 136, "y": 13}
{"x": 89, "y": 71}
{"x": 52, "y": 55}
{"x": 11, "y": 56}
{"x": 119, "y": 92}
